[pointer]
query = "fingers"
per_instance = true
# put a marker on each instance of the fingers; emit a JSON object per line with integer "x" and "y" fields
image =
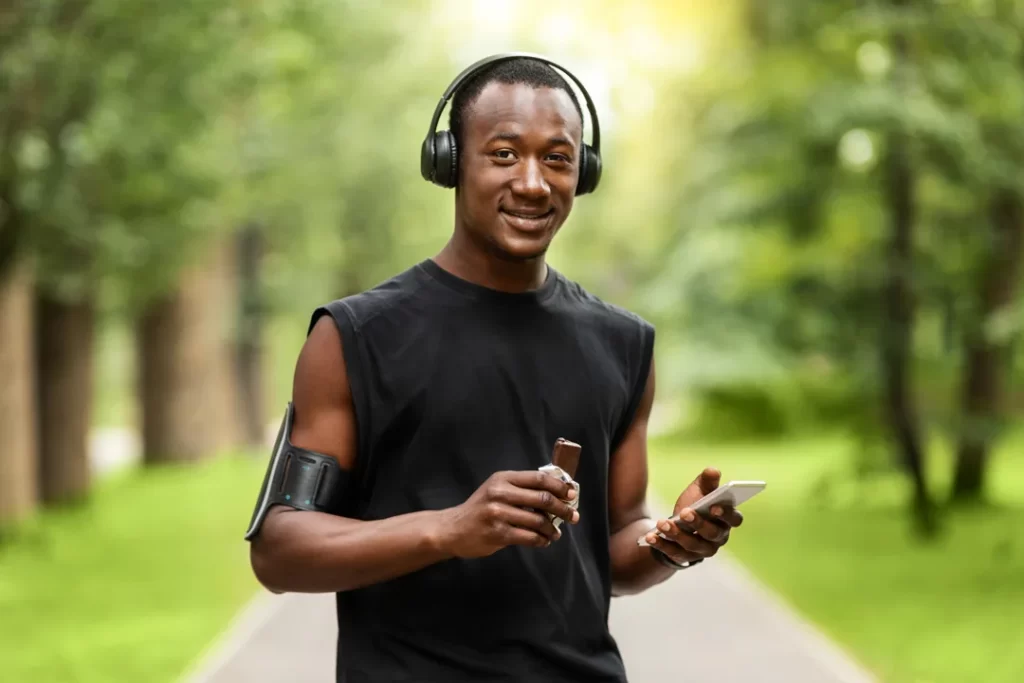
{"x": 692, "y": 535}
{"x": 691, "y": 523}
{"x": 518, "y": 536}
{"x": 533, "y": 521}
{"x": 544, "y": 501}
{"x": 681, "y": 546}
{"x": 708, "y": 480}
{"x": 541, "y": 481}
{"x": 731, "y": 517}
{"x": 541, "y": 495}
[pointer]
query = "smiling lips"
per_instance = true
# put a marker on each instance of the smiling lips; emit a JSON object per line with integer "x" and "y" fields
{"x": 527, "y": 219}
{"x": 528, "y": 213}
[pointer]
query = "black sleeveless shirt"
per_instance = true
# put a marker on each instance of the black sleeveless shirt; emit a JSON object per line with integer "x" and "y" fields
{"x": 451, "y": 382}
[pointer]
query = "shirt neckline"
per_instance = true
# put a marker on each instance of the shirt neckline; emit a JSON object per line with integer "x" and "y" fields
{"x": 482, "y": 293}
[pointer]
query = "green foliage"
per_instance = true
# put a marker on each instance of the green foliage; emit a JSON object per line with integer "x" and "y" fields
{"x": 740, "y": 412}
{"x": 128, "y": 587}
{"x": 107, "y": 114}
{"x": 135, "y": 135}
{"x": 326, "y": 140}
{"x": 837, "y": 548}
{"x": 782, "y": 218}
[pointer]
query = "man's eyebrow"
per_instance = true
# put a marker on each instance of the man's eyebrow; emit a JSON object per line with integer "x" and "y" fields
{"x": 506, "y": 135}
{"x": 515, "y": 137}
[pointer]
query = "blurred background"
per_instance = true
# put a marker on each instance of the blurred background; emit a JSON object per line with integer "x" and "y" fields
{"x": 819, "y": 204}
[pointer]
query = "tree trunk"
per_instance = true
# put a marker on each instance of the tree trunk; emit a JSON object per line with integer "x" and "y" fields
{"x": 10, "y": 238}
{"x": 18, "y": 475}
{"x": 987, "y": 360}
{"x": 186, "y": 382}
{"x": 898, "y": 317}
{"x": 249, "y": 346}
{"x": 64, "y": 362}
{"x": 898, "y": 325}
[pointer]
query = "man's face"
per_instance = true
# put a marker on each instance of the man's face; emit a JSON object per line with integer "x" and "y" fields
{"x": 520, "y": 159}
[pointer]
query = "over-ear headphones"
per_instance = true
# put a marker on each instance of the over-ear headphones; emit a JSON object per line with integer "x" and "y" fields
{"x": 439, "y": 160}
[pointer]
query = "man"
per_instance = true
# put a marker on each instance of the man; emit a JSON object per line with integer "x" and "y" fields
{"x": 442, "y": 391}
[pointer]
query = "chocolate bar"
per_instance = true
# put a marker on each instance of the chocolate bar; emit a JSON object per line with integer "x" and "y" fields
{"x": 567, "y": 456}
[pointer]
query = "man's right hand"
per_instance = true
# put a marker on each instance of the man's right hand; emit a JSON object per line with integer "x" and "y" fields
{"x": 508, "y": 509}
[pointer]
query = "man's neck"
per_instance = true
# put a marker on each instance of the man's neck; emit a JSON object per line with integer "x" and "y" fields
{"x": 470, "y": 263}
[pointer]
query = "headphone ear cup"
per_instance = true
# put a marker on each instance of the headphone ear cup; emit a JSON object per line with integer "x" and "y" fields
{"x": 446, "y": 161}
{"x": 427, "y": 158}
{"x": 590, "y": 171}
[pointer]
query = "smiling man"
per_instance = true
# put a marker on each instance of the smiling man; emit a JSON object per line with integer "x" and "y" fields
{"x": 428, "y": 404}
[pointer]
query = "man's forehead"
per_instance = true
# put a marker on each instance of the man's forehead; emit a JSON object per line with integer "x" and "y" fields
{"x": 503, "y": 103}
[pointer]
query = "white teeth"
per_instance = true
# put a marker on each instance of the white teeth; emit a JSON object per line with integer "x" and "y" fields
{"x": 527, "y": 216}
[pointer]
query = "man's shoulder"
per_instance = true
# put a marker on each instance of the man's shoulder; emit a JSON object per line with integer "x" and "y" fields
{"x": 388, "y": 297}
{"x": 607, "y": 315}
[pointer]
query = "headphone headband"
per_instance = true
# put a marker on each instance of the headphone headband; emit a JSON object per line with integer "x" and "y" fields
{"x": 439, "y": 156}
{"x": 503, "y": 57}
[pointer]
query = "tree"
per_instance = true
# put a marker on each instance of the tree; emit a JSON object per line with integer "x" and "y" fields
{"x": 901, "y": 202}
{"x": 185, "y": 384}
{"x": 18, "y": 493}
{"x": 987, "y": 350}
{"x": 843, "y": 158}
{"x": 991, "y": 83}
{"x": 109, "y": 109}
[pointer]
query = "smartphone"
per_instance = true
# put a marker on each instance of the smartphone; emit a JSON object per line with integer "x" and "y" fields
{"x": 731, "y": 494}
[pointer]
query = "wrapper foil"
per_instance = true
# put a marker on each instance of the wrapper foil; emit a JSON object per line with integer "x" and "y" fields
{"x": 565, "y": 459}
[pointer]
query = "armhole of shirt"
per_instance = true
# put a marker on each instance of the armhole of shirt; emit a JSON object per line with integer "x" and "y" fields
{"x": 355, "y": 369}
{"x": 639, "y": 384}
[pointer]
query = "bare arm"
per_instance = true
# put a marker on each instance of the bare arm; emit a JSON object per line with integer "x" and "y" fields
{"x": 312, "y": 552}
{"x": 301, "y": 551}
{"x": 634, "y": 569}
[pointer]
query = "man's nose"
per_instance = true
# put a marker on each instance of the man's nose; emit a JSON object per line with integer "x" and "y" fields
{"x": 531, "y": 181}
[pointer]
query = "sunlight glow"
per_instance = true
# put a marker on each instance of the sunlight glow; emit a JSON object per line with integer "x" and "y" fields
{"x": 856, "y": 150}
{"x": 625, "y": 54}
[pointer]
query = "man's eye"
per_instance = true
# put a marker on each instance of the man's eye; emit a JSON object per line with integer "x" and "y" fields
{"x": 561, "y": 157}
{"x": 504, "y": 154}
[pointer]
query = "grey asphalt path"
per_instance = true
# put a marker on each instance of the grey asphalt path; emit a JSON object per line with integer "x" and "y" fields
{"x": 715, "y": 617}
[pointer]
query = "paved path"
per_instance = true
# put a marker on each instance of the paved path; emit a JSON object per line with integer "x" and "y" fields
{"x": 726, "y": 626}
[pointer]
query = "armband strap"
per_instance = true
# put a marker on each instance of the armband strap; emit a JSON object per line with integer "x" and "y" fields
{"x": 299, "y": 478}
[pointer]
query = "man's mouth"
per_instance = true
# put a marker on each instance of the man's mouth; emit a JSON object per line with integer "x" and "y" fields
{"x": 528, "y": 215}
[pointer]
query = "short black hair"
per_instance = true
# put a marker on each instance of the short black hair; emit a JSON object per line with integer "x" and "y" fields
{"x": 523, "y": 70}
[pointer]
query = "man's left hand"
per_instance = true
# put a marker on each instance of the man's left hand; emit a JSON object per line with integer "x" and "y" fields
{"x": 696, "y": 537}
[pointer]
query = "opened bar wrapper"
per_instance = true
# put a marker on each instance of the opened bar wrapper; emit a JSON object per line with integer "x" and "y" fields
{"x": 565, "y": 458}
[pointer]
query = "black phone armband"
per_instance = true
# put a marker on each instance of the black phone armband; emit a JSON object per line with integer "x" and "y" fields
{"x": 300, "y": 479}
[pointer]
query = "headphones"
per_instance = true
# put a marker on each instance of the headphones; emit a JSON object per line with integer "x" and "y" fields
{"x": 439, "y": 158}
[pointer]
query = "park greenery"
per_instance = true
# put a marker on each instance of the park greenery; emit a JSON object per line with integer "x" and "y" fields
{"x": 819, "y": 205}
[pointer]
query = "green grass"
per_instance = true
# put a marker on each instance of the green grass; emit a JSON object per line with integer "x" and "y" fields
{"x": 947, "y": 611}
{"x": 134, "y": 585}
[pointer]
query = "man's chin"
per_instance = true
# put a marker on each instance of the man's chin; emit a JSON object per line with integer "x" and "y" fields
{"x": 518, "y": 251}
{"x": 521, "y": 246}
